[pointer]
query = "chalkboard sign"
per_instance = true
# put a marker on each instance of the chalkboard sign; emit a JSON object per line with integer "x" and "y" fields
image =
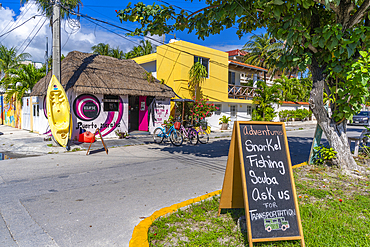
{"x": 259, "y": 178}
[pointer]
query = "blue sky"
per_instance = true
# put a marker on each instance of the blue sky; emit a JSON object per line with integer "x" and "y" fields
{"x": 89, "y": 34}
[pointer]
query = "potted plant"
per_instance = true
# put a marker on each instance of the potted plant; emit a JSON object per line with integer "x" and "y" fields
{"x": 122, "y": 135}
{"x": 224, "y": 121}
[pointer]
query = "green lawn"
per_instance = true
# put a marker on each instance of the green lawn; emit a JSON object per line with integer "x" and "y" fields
{"x": 335, "y": 211}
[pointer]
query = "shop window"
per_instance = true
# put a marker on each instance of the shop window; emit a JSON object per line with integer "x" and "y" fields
{"x": 111, "y": 102}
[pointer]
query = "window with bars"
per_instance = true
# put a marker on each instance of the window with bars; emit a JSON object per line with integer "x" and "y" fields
{"x": 233, "y": 110}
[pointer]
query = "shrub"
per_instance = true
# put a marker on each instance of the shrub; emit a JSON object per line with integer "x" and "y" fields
{"x": 323, "y": 155}
{"x": 299, "y": 114}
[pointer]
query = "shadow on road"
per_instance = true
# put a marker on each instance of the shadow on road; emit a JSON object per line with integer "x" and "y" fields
{"x": 213, "y": 149}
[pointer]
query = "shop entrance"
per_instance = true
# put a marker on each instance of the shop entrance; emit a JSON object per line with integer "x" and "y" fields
{"x": 133, "y": 112}
{"x": 138, "y": 113}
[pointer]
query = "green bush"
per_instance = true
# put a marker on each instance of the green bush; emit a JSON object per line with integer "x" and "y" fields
{"x": 269, "y": 114}
{"x": 299, "y": 114}
{"x": 323, "y": 155}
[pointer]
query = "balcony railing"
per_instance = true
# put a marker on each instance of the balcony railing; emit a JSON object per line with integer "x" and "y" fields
{"x": 241, "y": 92}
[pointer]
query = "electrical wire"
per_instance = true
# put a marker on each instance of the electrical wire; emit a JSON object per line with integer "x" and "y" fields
{"x": 17, "y": 21}
{"x": 35, "y": 34}
{"x": 112, "y": 31}
{"x": 148, "y": 37}
{"x": 29, "y": 34}
{"x": 19, "y": 25}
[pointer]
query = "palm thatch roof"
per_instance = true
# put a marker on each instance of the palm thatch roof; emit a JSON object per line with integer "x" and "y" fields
{"x": 97, "y": 74}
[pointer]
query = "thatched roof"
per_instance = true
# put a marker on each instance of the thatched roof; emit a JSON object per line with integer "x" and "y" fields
{"x": 96, "y": 74}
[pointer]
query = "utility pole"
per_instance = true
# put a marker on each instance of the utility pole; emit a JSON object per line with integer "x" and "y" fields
{"x": 47, "y": 56}
{"x": 56, "y": 40}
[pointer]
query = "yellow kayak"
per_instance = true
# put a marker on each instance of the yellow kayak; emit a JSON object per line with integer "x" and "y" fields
{"x": 58, "y": 111}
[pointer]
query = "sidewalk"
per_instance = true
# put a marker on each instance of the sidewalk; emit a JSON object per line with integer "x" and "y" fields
{"x": 18, "y": 143}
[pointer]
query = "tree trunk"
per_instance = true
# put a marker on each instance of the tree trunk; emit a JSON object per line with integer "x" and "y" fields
{"x": 334, "y": 132}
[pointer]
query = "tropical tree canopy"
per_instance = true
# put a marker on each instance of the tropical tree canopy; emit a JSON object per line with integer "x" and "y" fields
{"x": 10, "y": 60}
{"x": 325, "y": 36}
{"x": 266, "y": 96}
{"x": 263, "y": 51}
{"x": 47, "y": 7}
{"x": 145, "y": 48}
{"x": 22, "y": 80}
{"x": 293, "y": 89}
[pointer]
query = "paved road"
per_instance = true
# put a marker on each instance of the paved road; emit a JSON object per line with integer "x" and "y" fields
{"x": 70, "y": 199}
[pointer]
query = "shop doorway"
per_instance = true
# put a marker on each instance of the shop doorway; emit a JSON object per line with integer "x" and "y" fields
{"x": 138, "y": 113}
{"x": 133, "y": 112}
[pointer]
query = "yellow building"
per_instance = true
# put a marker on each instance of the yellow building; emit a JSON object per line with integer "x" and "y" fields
{"x": 223, "y": 86}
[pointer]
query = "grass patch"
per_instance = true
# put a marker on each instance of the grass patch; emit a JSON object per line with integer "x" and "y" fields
{"x": 334, "y": 212}
{"x": 50, "y": 145}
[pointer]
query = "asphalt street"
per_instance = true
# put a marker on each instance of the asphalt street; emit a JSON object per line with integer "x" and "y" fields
{"x": 49, "y": 197}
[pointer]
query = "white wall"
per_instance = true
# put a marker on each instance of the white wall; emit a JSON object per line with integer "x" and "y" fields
{"x": 162, "y": 113}
{"x": 150, "y": 67}
{"x": 290, "y": 107}
{"x": 107, "y": 122}
{"x": 241, "y": 114}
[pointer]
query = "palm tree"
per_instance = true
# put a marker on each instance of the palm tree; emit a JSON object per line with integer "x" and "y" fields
{"x": 197, "y": 75}
{"x": 45, "y": 5}
{"x": 102, "y": 49}
{"x": 117, "y": 53}
{"x": 263, "y": 51}
{"x": 9, "y": 60}
{"x": 293, "y": 89}
{"x": 265, "y": 97}
{"x": 145, "y": 48}
{"x": 22, "y": 81}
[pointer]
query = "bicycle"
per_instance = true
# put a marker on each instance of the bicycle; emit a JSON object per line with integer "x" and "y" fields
{"x": 190, "y": 134}
{"x": 203, "y": 136}
{"x": 175, "y": 136}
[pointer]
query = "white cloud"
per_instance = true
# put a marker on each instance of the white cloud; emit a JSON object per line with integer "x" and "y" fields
{"x": 82, "y": 40}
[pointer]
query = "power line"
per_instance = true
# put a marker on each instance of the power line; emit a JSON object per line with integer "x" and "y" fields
{"x": 130, "y": 31}
{"x": 30, "y": 34}
{"x": 35, "y": 35}
{"x": 112, "y": 31}
{"x": 19, "y": 25}
{"x": 17, "y": 21}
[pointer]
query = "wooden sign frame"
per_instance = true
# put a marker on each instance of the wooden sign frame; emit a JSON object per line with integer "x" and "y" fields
{"x": 92, "y": 140}
{"x": 234, "y": 190}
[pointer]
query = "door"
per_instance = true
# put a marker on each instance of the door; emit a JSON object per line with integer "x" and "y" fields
{"x": 133, "y": 114}
{"x": 36, "y": 114}
{"x": 143, "y": 114}
{"x": 233, "y": 115}
{"x": 26, "y": 113}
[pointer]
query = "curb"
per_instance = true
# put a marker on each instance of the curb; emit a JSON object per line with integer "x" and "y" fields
{"x": 140, "y": 234}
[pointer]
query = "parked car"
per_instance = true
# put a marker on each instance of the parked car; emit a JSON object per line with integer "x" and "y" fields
{"x": 363, "y": 118}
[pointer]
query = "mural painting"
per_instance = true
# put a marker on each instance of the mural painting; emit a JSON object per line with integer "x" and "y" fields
{"x": 11, "y": 113}
{"x": 87, "y": 109}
